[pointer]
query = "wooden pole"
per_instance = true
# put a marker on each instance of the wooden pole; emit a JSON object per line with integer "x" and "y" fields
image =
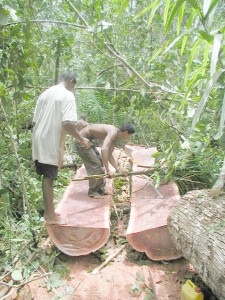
{"x": 100, "y": 176}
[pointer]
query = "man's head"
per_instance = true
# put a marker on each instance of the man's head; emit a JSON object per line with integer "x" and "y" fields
{"x": 69, "y": 80}
{"x": 126, "y": 130}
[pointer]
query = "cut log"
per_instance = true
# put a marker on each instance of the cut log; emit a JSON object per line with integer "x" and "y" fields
{"x": 89, "y": 223}
{"x": 197, "y": 227}
{"x": 147, "y": 229}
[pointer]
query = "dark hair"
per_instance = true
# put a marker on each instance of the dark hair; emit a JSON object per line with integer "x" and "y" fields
{"x": 127, "y": 127}
{"x": 67, "y": 76}
{"x": 83, "y": 116}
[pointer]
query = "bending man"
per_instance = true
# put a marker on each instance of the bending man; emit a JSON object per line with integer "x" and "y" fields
{"x": 95, "y": 163}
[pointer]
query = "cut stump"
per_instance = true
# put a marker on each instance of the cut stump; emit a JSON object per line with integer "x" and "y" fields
{"x": 88, "y": 228}
{"x": 197, "y": 227}
{"x": 147, "y": 229}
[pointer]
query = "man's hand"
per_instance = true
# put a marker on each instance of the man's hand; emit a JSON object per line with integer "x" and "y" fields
{"x": 111, "y": 174}
{"x": 86, "y": 143}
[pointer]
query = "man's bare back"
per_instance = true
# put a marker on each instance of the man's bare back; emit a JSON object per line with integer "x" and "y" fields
{"x": 100, "y": 131}
{"x": 109, "y": 134}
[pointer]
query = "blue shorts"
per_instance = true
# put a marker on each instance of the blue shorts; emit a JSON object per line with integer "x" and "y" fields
{"x": 46, "y": 170}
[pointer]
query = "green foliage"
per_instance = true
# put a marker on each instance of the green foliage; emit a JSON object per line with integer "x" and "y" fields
{"x": 118, "y": 183}
{"x": 167, "y": 78}
{"x": 140, "y": 286}
{"x": 186, "y": 164}
{"x": 20, "y": 257}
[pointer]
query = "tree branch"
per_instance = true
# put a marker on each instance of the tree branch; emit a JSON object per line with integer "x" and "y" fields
{"x": 25, "y": 282}
{"x": 112, "y": 67}
{"x": 77, "y": 12}
{"x": 149, "y": 85}
{"x": 44, "y": 21}
{"x": 110, "y": 89}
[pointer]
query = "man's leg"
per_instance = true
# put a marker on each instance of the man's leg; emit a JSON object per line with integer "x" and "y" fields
{"x": 50, "y": 216}
{"x": 93, "y": 165}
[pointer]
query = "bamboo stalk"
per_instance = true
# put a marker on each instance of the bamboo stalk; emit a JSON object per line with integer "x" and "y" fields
{"x": 100, "y": 176}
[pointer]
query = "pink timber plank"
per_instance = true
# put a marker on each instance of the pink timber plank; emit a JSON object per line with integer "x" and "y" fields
{"x": 147, "y": 229}
{"x": 88, "y": 228}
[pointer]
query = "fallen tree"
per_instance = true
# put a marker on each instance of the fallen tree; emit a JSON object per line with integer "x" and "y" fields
{"x": 197, "y": 227}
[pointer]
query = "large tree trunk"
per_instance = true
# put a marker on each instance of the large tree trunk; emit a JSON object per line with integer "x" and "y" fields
{"x": 197, "y": 227}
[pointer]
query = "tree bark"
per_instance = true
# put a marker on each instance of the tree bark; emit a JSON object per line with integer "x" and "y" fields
{"x": 197, "y": 227}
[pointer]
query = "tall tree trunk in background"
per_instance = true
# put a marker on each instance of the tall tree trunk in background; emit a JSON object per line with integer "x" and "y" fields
{"x": 57, "y": 62}
{"x": 197, "y": 227}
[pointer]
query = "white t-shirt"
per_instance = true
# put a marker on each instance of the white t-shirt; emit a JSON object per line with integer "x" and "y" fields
{"x": 53, "y": 107}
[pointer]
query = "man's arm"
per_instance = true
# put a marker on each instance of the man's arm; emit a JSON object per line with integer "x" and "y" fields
{"x": 106, "y": 152}
{"x": 112, "y": 160}
{"x": 71, "y": 130}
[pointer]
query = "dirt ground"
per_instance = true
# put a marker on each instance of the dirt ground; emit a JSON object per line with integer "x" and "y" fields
{"x": 129, "y": 275}
{"x": 122, "y": 278}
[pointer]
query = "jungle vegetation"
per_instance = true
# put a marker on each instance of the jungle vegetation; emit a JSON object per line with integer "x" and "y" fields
{"x": 159, "y": 64}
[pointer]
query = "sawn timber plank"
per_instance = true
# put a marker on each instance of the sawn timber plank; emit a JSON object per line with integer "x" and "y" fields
{"x": 88, "y": 228}
{"x": 147, "y": 229}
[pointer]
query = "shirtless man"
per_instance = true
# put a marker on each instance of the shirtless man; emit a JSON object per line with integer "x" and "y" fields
{"x": 95, "y": 163}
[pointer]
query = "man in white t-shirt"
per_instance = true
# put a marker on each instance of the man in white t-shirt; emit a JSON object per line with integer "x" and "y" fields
{"x": 55, "y": 115}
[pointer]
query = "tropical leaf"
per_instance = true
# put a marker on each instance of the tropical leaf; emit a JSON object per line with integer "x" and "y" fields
{"x": 159, "y": 51}
{"x": 183, "y": 44}
{"x": 206, "y": 5}
{"x": 205, "y": 96}
{"x": 154, "y": 9}
{"x": 206, "y": 36}
{"x": 194, "y": 81}
{"x": 197, "y": 9}
{"x": 205, "y": 57}
{"x": 215, "y": 53}
{"x": 166, "y": 11}
{"x": 191, "y": 57}
{"x": 188, "y": 26}
{"x": 174, "y": 10}
{"x": 209, "y": 17}
{"x": 123, "y": 6}
{"x": 180, "y": 17}
{"x": 146, "y": 9}
{"x": 210, "y": 9}
{"x": 175, "y": 41}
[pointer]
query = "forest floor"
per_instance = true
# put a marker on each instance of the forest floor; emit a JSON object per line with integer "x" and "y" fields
{"x": 130, "y": 275}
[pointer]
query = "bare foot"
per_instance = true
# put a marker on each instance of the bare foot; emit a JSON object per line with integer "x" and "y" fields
{"x": 108, "y": 193}
{"x": 96, "y": 196}
{"x": 56, "y": 221}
